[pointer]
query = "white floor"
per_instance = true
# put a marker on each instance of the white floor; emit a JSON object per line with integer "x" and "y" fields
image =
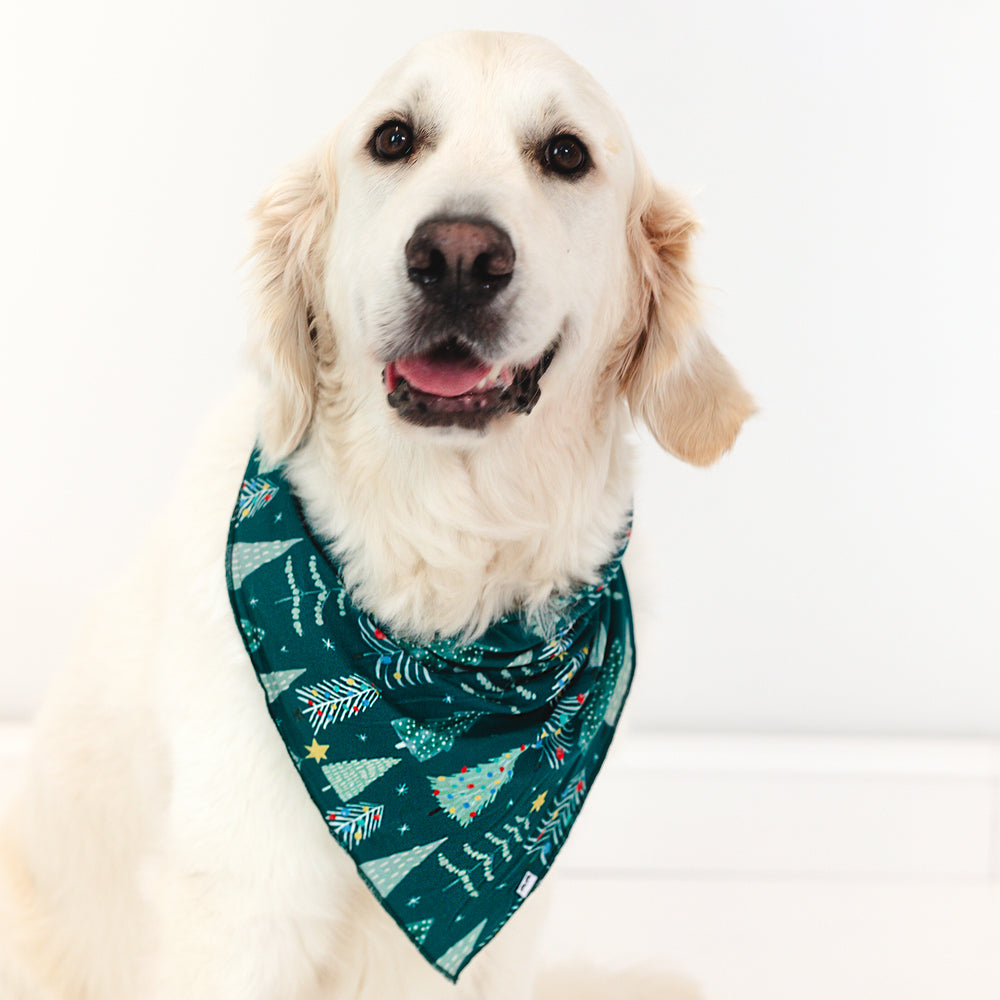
{"x": 782, "y": 869}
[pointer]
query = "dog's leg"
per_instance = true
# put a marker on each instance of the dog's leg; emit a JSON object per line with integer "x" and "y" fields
{"x": 18, "y": 981}
{"x": 223, "y": 944}
{"x": 248, "y": 890}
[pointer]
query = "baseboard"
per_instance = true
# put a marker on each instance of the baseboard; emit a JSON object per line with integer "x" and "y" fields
{"x": 783, "y": 807}
{"x": 771, "y": 807}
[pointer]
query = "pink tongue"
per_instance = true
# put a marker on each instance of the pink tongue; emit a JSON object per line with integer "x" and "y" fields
{"x": 441, "y": 376}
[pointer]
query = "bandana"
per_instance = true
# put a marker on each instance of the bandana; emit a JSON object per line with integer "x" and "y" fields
{"x": 451, "y": 773}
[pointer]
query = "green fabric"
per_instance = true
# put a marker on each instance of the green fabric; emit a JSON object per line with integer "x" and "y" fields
{"x": 451, "y": 774}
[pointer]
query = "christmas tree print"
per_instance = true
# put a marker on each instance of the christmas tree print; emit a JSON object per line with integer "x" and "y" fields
{"x": 484, "y": 861}
{"x": 600, "y": 644}
{"x": 461, "y": 876}
{"x": 433, "y": 736}
{"x": 418, "y": 930}
{"x": 394, "y": 667}
{"x": 522, "y": 659}
{"x": 350, "y": 777}
{"x": 336, "y": 700}
{"x": 255, "y": 494}
{"x": 386, "y": 873}
{"x": 466, "y": 656}
{"x": 463, "y": 796}
{"x": 558, "y": 732}
{"x": 567, "y": 671}
{"x": 554, "y": 828}
{"x": 451, "y": 961}
{"x": 353, "y": 823}
{"x": 248, "y": 556}
{"x": 320, "y": 593}
{"x": 518, "y": 829}
{"x": 617, "y": 698}
{"x": 279, "y": 680}
{"x": 500, "y": 843}
{"x": 449, "y": 851}
{"x": 605, "y": 700}
{"x": 558, "y": 644}
{"x": 252, "y": 635}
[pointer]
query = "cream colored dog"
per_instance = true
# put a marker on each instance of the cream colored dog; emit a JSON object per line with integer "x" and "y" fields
{"x": 465, "y": 298}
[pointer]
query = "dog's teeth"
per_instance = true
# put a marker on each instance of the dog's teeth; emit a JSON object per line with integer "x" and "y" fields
{"x": 489, "y": 379}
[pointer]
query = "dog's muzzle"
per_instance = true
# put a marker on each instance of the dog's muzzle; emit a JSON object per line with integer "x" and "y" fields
{"x": 460, "y": 265}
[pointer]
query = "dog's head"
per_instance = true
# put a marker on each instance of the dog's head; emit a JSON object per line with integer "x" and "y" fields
{"x": 481, "y": 243}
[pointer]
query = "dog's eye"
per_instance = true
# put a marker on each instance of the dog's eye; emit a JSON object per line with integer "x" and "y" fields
{"x": 392, "y": 141}
{"x": 565, "y": 154}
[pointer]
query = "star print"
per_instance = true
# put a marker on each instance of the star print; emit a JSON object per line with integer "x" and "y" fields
{"x": 401, "y": 789}
{"x": 405, "y": 828}
{"x": 317, "y": 751}
{"x": 413, "y": 901}
{"x": 537, "y": 804}
{"x": 253, "y": 602}
{"x": 448, "y": 699}
{"x": 363, "y": 737}
{"x": 284, "y": 649}
{"x": 328, "y": 644}
{"x": 277, "y": 518}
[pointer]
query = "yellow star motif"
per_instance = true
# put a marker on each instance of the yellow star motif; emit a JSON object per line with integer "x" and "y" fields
{"x": 317, "y": 751}
{"x": 537, "y": 804}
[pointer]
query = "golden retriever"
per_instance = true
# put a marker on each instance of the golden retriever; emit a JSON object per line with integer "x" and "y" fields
{"x": 465, "y": 299}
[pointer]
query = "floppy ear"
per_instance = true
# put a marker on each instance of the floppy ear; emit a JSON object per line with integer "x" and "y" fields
{"x": 675, "y": 379}
{"x": 291, "y": 224}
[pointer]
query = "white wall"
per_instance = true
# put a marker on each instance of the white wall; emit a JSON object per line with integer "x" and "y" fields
{"x": 837, "y": 573}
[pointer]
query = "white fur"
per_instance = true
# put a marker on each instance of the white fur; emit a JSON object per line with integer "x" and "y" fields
{"x": 163, "y": 848}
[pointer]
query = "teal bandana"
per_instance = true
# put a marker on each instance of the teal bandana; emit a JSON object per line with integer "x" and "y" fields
{"x": 450, "y": 773}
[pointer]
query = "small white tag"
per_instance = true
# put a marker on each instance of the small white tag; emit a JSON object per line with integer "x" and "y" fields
{"x": 527, "y": 884}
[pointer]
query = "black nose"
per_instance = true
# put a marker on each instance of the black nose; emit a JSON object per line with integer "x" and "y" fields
{"x": 460, "y": 263}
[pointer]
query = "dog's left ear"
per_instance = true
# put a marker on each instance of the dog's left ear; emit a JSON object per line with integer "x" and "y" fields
{"x": 675, "y": 379}
{"x": 291, "y": 222}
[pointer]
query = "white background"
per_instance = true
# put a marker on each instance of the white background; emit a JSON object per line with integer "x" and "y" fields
{"x": 837, "y": 573}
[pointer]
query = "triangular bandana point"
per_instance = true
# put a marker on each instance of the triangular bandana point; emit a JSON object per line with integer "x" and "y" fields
{"x": 455, "y": 957}
{"x": 451, "y": 774}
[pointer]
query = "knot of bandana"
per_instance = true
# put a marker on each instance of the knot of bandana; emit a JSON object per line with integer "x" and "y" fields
{"x": 451, "y": 773}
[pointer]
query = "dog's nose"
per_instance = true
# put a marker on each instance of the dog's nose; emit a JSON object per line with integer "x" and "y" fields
{"x": 460, "y": 263}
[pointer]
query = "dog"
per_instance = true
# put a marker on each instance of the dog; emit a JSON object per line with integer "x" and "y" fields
{"x": 465, "y": 298}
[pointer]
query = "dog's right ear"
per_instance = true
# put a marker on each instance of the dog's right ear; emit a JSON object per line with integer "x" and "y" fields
{"x": 291, "y": 222}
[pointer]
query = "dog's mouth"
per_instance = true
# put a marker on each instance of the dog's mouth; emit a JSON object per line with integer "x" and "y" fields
{"x": 450, "y": 386}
